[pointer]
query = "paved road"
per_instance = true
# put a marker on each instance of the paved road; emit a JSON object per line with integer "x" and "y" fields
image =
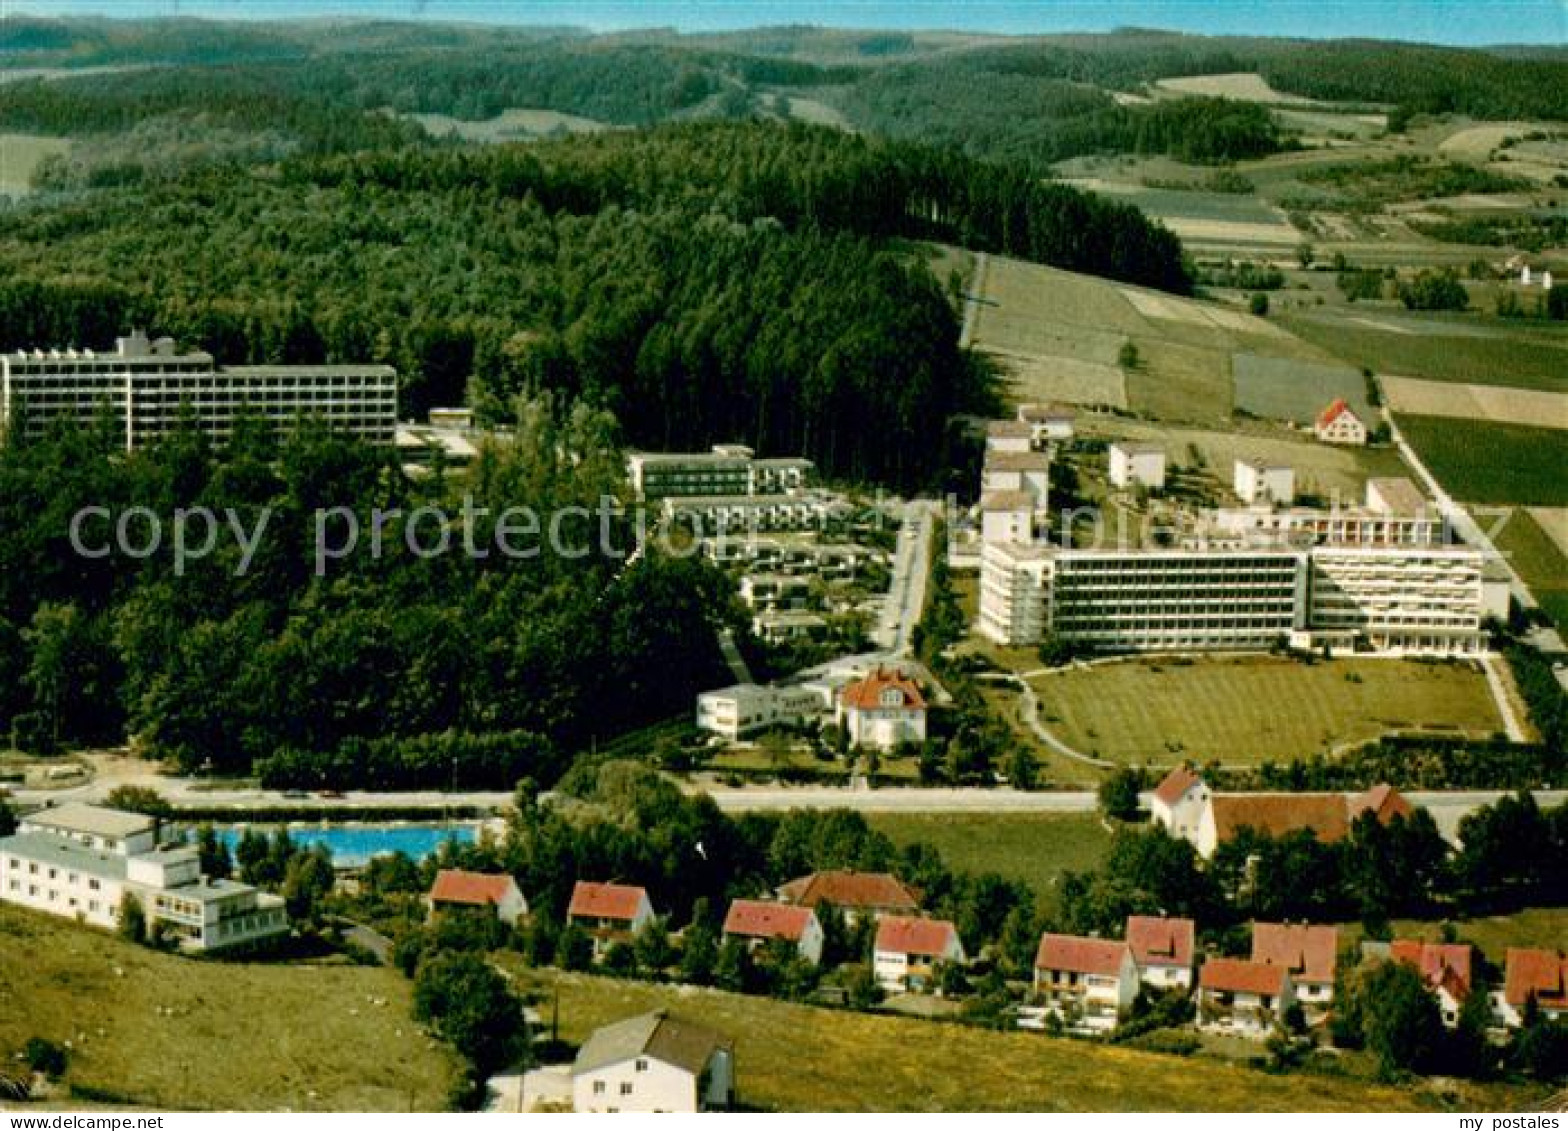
{"x": 906, "y": 593}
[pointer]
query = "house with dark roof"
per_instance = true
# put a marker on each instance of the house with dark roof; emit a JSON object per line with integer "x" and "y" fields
{"x": 1243, "y": 998}
{"x": 1089, "y": 984}
{"x": 883, "y": 710}
{"x": 1164, "y": 950}
{"x": 1309, "y": 953}
{"x": 757, "y": 923}
{"x": 610, "y": 913}
{"x": 654, "y": 1062}
{"x": 853, "y": 893}
{"x": 1532, "y": 974}
{"x": 1446, "y": 968}
{"x": 908, "y": 953}
{"x": 456, "y": 889}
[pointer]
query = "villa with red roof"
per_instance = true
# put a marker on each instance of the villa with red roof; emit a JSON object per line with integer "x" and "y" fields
{"x": 1339, "y": 424}
{"x": 1531, "y": 974}
{"x": 1446, "y": 969}
{"x": 882, "y": 710}
{"x": 610, "y": 913}
{"x": 854, "y": 893}
{"x": 908, "y": 952}
{"x": 1089, "y": 984}
{"x": 1243, "y": 998}
{"x": 1179, "y": 801}
{"x": 1164, "y": 950}
{"x": 1309, "y": 953}
{"x": 757, "y": 923}
{"x": 457, "y": 889}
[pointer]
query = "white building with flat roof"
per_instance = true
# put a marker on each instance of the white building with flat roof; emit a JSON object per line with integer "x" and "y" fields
{"x": 149, "y": 387}
{"x": 746, "y": 709}
{"x": 82, "y": 862}
{"x": 1259, "y": 481}
{"x": 1136, "y": 465}
{"x": 729, "y": 469}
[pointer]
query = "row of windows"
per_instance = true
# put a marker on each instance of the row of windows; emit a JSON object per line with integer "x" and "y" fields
{"x": 35, "y": 869}
{"x": 53, "y": 896}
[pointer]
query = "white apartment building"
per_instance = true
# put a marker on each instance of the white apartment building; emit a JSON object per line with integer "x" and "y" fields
{"x": 148, "y": 386}
{"x": 81, "y": 862}
{"x": 1008, "y": 436}
{"x": 1135, "y": 465}
{"x": 746, "y": 709}
{"x": 1029, "y": 472}
{"x": 1006, "y": 516}
{"x": 1259, "y": 481}
{"x": 1422, "y": 600}
{"x": 735, "y": 515}
{"x": 729, "y": 469}
{"x": 1048, "y": 423}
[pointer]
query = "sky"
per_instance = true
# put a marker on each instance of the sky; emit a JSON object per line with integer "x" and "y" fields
{"x": 1435, "y": 21}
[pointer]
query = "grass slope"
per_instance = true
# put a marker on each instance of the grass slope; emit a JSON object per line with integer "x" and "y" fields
{"x": 1538, "y": 559}
{"x": 1481, "y": 462}
{"x": 1253, "y": 709}
{"x": 801, "y": 1058}
{"x": 1034, "y": 848}
{"x": 239, "y": 1037}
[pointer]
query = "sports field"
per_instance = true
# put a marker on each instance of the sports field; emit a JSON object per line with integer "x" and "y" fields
{"x": 1246, "y": 710}
{"x": 1480, "y": 462}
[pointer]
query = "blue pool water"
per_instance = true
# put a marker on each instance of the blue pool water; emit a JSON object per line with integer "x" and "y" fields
{"x": 354, "y": 845}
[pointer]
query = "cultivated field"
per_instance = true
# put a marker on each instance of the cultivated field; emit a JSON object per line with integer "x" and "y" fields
{"x": 1246, "y": 710}
{"x": 1536, "y": 542}
{"x": 20, "y": 155}
{"x": 802, "y": 1058}
{"x": 154, "y": 1030}
{"x": 1279, "y": 388}
{"x": 1481, "y": 462}
{"x": 1034, "y": 848}
{"x": 1242, "y": 86}
{"x": 1494, "y": 403}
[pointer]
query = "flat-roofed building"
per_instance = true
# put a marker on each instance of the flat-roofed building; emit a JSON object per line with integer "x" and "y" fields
{"x": 1006, "y": 516}
{"x": 1259, "y": 481}
{"x": 1048, "y": 423}
{"x": 148, "y": 388}
{"x": 729, "y": 469}
{"x": 747, "y": 708}
{"x": 1137, "y": 465}
{"x": 1008, "y": 436}
{"x": 1395, "y": 600}
{"x": 1029, "y": 472}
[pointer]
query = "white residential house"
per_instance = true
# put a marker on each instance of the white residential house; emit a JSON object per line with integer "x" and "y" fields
{"x": 1179, "y": 803}
{"x": 1258, "y": 481}
{"x": 909, "y": 953}
{"x": 654, "y": 1063}
{"x": 83, "y": 862}
{"x": 757, "y": 922}
{"x": 1444, "y": 967}
{"x": 1339, "y": 424}
{"x": 1090, "y": 984}
{"x": 1242, "y": 998}
{"x": 1135, "y": 465}
{"x": 746, "y": 709}
{"x": 610, "y": 913}
{"x": 1164, "y": 950}
{"x": 458, "y": 890}
{"x": 1309, "y": 954}
{"x": 883, "y": 710}
{"x": 1532, "y": 974}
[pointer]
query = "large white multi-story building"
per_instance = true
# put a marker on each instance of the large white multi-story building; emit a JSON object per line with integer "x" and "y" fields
{"x": 729, "y": 469}
{"x": 148, "y": 387}
{"x": 82, "y": 862}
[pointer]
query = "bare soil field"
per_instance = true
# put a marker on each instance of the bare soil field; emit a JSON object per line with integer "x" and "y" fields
{"x": 1495, "y": 403}
{"x": 1242, "y": 86}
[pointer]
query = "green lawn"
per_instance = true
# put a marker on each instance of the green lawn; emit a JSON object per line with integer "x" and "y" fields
{"x": 156, "y": 1030}
{"x": 1480, "y": 462}
{"x": 1493, "y": 935}
{"x": 1034, "y": 848}
{"x": 1245, "y": 710}
{"x": 803, "y": 1058}
{"x": 20, "y": 155}
{"x": 1538, "y": 560}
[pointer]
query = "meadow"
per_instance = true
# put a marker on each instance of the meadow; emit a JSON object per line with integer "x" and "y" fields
{"x": 1539, "y": 559}
{"x": 1032, "y": 848}
{"x": 20, "y": 155}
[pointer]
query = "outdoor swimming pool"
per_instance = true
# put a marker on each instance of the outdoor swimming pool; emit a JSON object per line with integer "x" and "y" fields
{"x": 352, "y": 845}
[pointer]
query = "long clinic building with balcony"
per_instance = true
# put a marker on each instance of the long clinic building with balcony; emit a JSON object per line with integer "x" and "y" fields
{"x": 147, "y": 387}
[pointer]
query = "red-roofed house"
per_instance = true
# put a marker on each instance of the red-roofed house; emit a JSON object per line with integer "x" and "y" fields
{"x": 1309, "y": 953}
{"x": 757, "y": 923}
{"x": 907, "y": 951}
{"x": 1179, "y": 801}
{"x": 1163, "y": 949}
{"x": 1538, "y": 974}
{"x": 455, "y": 888}
{"x": 853, "y": 893}
{"x": 1445, "y": 967}
{"x": 883, "y": 710}
{"x": 1382, "y": 801}
{"x": 1088, "y": 983}
{"x": 1242, "y": 998}
{"x": 1274, "y": 814}
{"x": 610, "y": 913}
{"x": 1339, "y": 424}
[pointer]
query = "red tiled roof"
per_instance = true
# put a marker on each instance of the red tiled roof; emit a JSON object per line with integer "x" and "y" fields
{"x": 1383, "y": 800}
{"x": 1079, "y": 955}
{"x": 756, "y": 919}
{"x": 1308, "y": 952}
{"x": 875, "y": 891}
{"x": 866, "y": 694}
{"x": 1333, "y": 412}
{"x": 605, "y": 901}
{"x": 1237, "y": 976}
{"x": 1542, "y": 974}
{"x": 898, "y": 934}
{"x": 476, "y": 888}
{"x": 1175, "y": 784}
{"x": 1279, "y": 813}
{"x": 1160, "y": 942}
{"x": 1441, "y": 964}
